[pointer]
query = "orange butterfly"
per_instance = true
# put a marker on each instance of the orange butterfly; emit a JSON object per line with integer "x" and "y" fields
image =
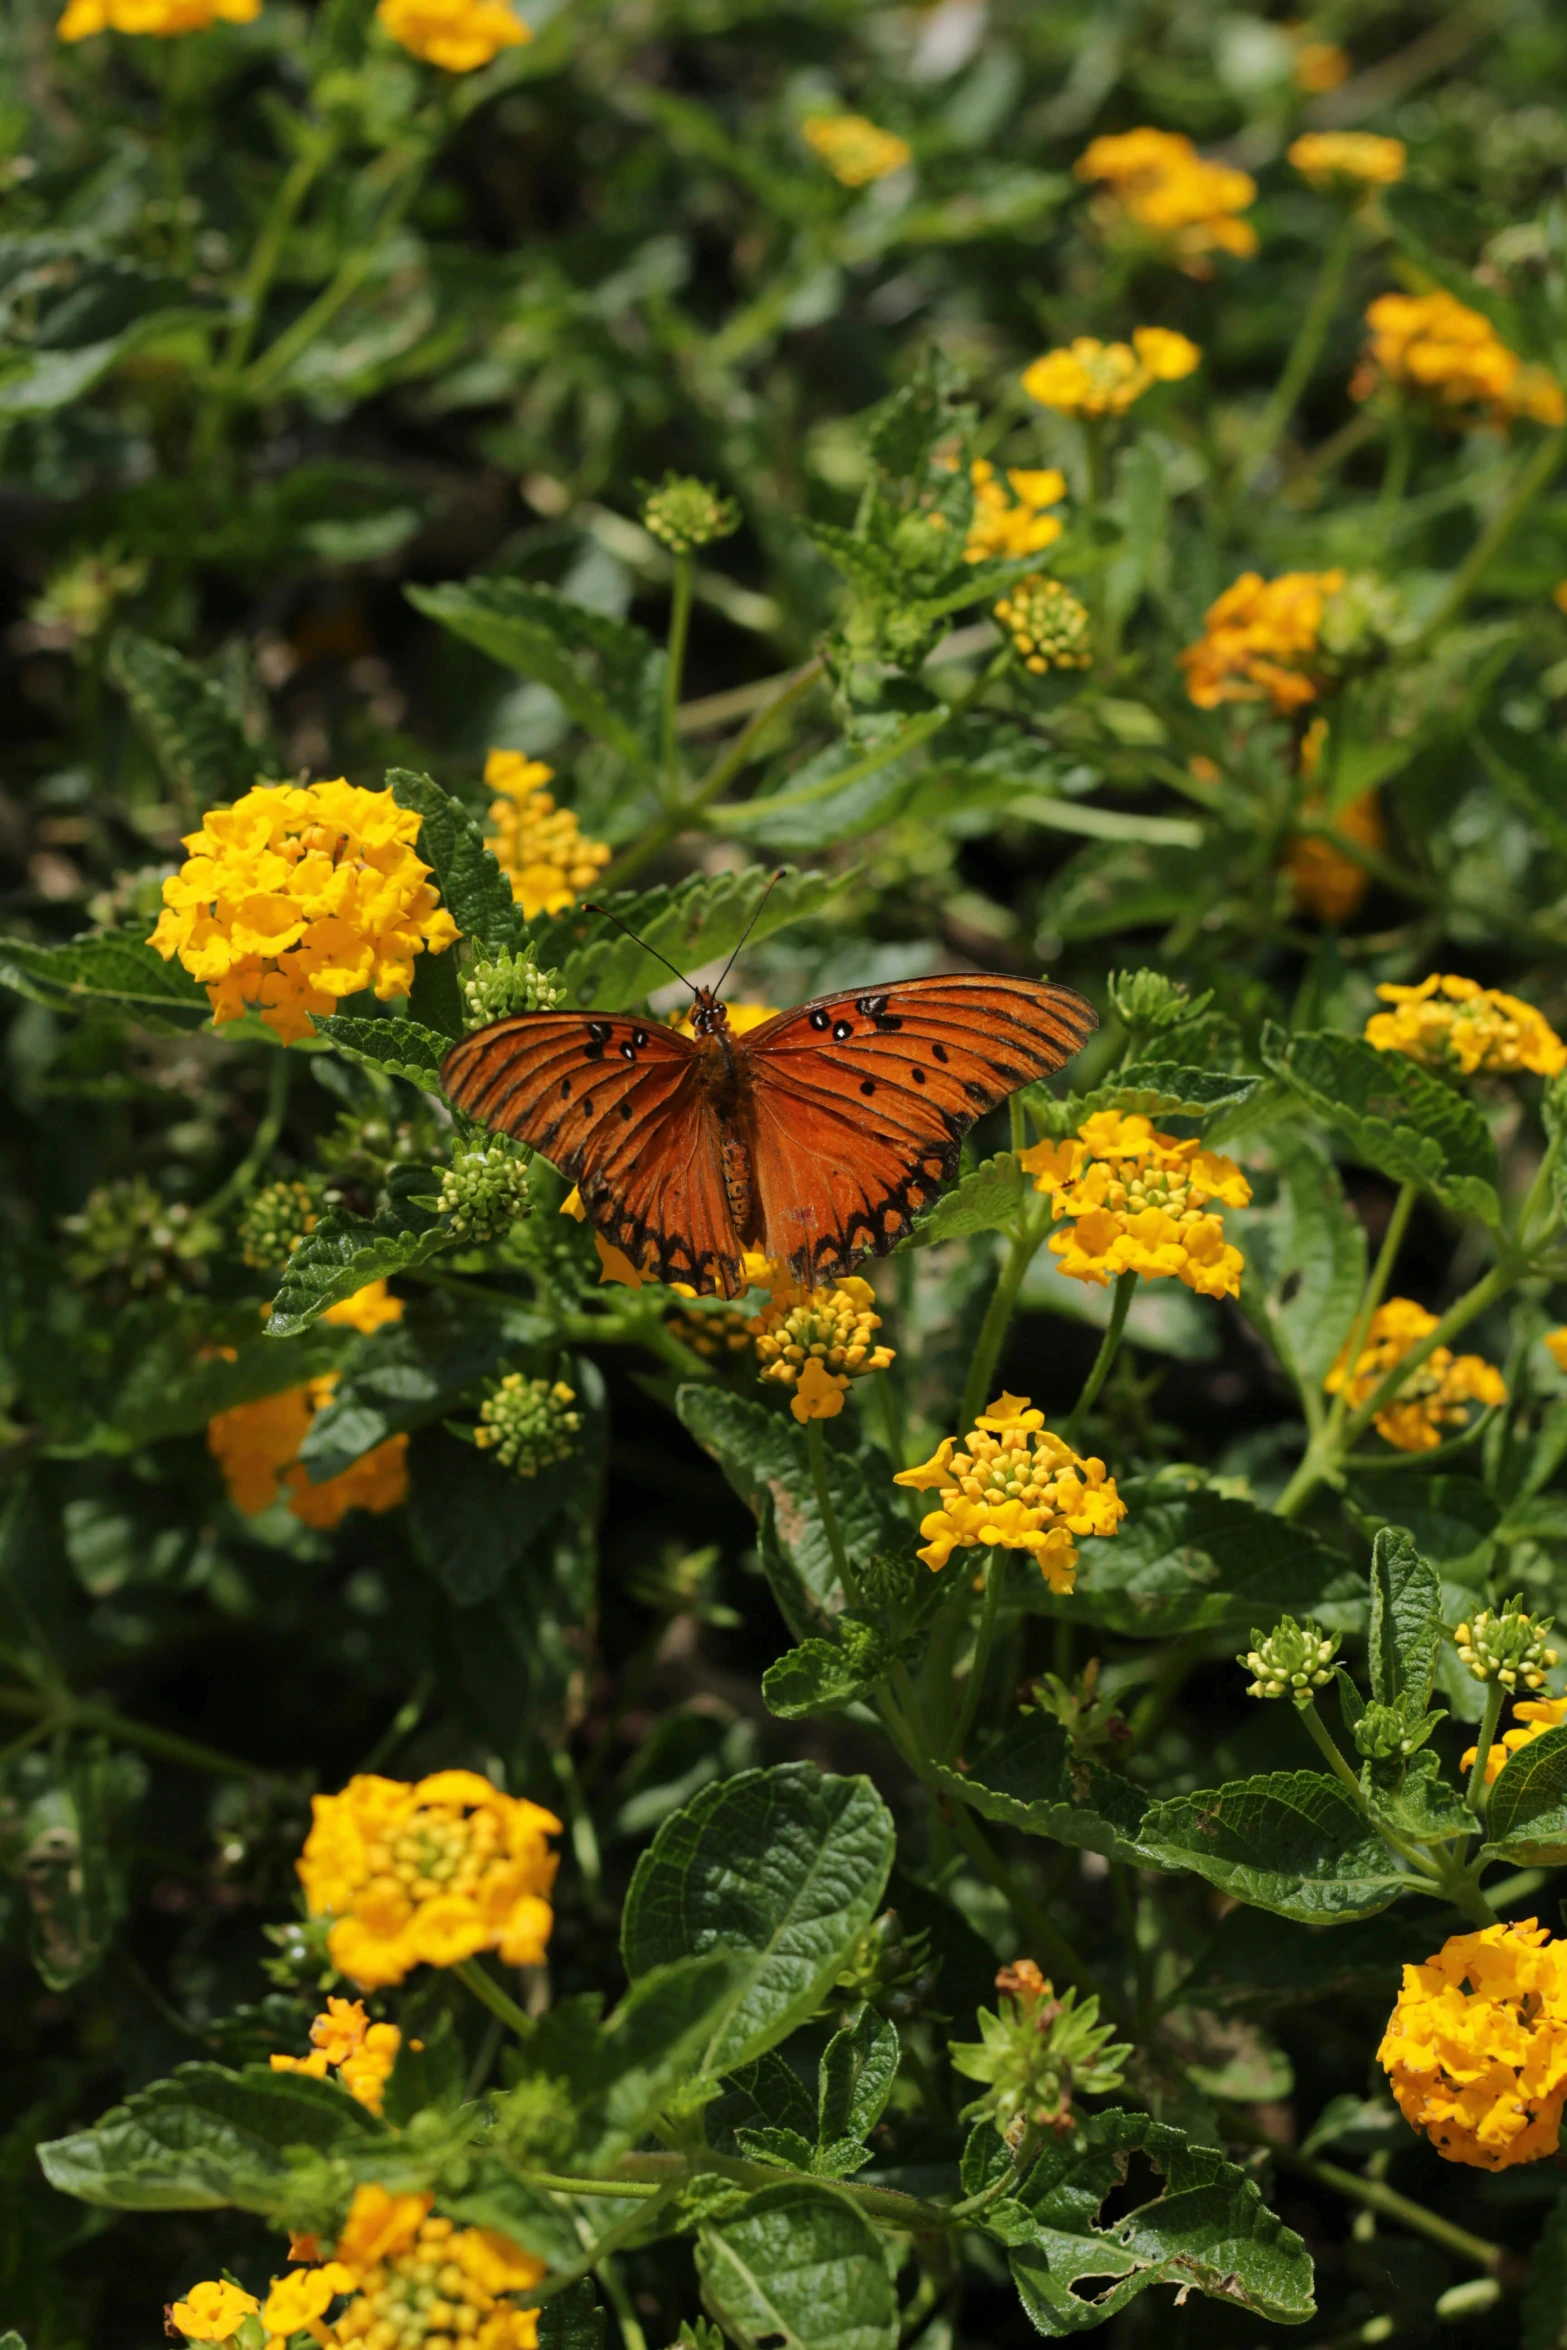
{"x": 813, "y": 1138}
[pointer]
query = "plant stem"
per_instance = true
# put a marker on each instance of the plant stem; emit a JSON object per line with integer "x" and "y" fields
{"x": 264, "y": 1141}
{"x": 487, "y": 1991}
{"x": 58, "y": 1710}
{"x": 1305, "y": 351}
{"x": 1476, "y": 1791}
{"x": 1527, "y": 490}
{"x": 1327, "y": 1746}
{"x": 560, "y": 2279}
{"x": 984, "y": 1638}
{"x": 816, "y": 1448}
{"x": 631, "y": 2335}
{"x": 1109, "y": 1345}
{"x": 1492, "y": 2258}
{"x": 674, "y": 670}
{"x": 297, "y": 338}
{"x": 254, "y": 287}
{"x": 993, "y": 1331}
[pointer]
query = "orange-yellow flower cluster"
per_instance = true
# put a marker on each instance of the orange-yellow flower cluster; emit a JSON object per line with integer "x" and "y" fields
{"x": 362, "y": 2053}
{"x": 1140, "y": 1202}
{"x": 257, "y": 1447}
{"x": 1320, "y": 66}
{"x": 1159, "y": 185}
{"x": 1438, "y": 1392}
{"x": 1323, "y": 881}
{"x": 1463, "y": 1028}
{"x": 164, "y": 18}
{"x": 1260, "y": 641}
{"x": 300, "y": 894}
{"x": 1016, "y": 1485}
{"x": 1476, "y": 2047}
{"x": 1348, "y": 159}
{"x": 539, "y": 847}
{"x": 457, "y": 35}
{"x": 1436, "y": 347}
{"x": 1007, "y": 526}
{"x": 1532, "y": 1717}
{"x": 1088, "y": 378}
{"x": 815, "y": 1342}
{"x": 854, "y": 149}
{"x": 428, "y": 1873}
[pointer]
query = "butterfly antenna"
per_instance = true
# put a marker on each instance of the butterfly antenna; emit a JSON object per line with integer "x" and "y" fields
{"x": 750, "y": 926}
{"x": 589, "y": 907}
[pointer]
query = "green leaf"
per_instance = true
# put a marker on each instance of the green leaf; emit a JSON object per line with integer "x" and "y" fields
{"x": 1208, "y": 2231}
{"x": 185, "y": 720}
{"x": 856, "y": 783}
{"x": 58, "y": 1837}
{"x": 1289, "y": 1841}
{"x": 1544, "y": 2309}
{"x": 1415, "y": 1799}
{"x": 783, "y": 1865}
{"x": 573, "y": 2320}
{"x": 824, "y": 1676}
{"x": 1257, "y": 1960}
{"x": 397, "y": 1048}
{"x": 1406, "y": 1623}
{"x": 167, "y": 1389}
{"x": 417, "y": 1371}
{"x": 696, "y": 921}
{"x": 1394, "y": 1116}
{"x": 474, "y": 890}
{"x": 606, "y": 673}
{"x": 854, "y": 2080}
{"x": 1451, "y": 1520}
{"x": 987, "y": 1199}
{"x": 203, "y": 2138}
{"x": 1187, "y": 1559}
{"x": 1526, "y": 1819}
{"x": 107, "y": 971}
{"x": 1163, "y": 1089}
{"x": 1305, "y": 1260}
{"x": 798, "y": 2268}
{"x": 474, "y": 1522}
{"x": 1030, "y": 1778}
{"x": 346, "y": 1252}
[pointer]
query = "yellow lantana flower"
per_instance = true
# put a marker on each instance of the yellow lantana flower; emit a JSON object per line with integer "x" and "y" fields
{"x": 1088, "y": 378}
{"x": 1321, "y": 66}
{"x": 1532, "y": 1717}
{"x": 427, "y": 1874}
{"x": 257, "y": 1447}
{"x": 1459, "y": 1026}
{"x": 457, "y": 35}
{"x": 1012, "y": 521}
{"x": 539, "y": 847}
{"x": 1357, "y": 159}
{"x": 1323, "y": 881}
{"x": 1159, "y": 186}
{"x": 213, "y": 2311}
{"x": 163, "y": 18}
{"x": 300, "y": 894}
{"x": 854, "y": 149}
{"x": 1476, "y": 2047}
{"x": 1436, "y": 1394}
{"x": 1260, "y": 641}
{"x": 369, "y": 1309}
{"x": 1016, "y": 1485}
{"x": 298, "y": 2302}
{"x": 1435, "y": 347}
{"x": 362, "y": 2053}
{"x": 816, "y": 1342}
{"x": 415, "y": 2279}
{"x": 1140, "y": 1202}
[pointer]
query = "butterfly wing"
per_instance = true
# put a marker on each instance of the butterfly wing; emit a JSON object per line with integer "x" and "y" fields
{"x": 616, "y": 1105}
{"x": 862, "y": 1102}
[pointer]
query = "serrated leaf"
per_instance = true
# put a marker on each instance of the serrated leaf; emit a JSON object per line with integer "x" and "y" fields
{"x": 856, "y": 783}
{"x": 1257, "y": 1960}
{"x": 108, "y": 971}
{"x": 785, "y": 1866}
{"x": 606, "y": 672}
{"x": 397, "y": 1048}
{"x": 412, "y": 1373}
{"x": 203, "y": 2138}
{"x": 1415, "y": 1799}
{"x": 1163, "y": 1089}
{"x": 1305, "y": 1260}
{"x": 1406, "y": 1623}
{"x": 697, "y": 921}
{"x": 1526, "y": 1818}
{"x": 1208, "y": 2231}
{"x": 1030, "y": 1778}
{"x": 622, "y": 2071}
{"x": 854, "y": 2080}
{"x": 987, "y": 1199}
{"x": 1394, "y": 1115}
{"x": 1452, "y": 1520}
{"x": 798, "y": 2268}
{"x": 171, "y": 1389}
{"x": 474, "y": 890}
{"x": 824, "y": 1676}
{"x": 1188, "y": 1559}
{"x": 573, "y": 2320}
{"x": 1289, "y": 1841}
{"x": 184, "y": 718}
{"x": 346, "y": 1252}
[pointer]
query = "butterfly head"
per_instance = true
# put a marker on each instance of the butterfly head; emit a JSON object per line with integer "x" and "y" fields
{"x": 709, "y": 1017}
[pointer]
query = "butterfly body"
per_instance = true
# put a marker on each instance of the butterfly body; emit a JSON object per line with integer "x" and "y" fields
{"x": 815, "y": 1138}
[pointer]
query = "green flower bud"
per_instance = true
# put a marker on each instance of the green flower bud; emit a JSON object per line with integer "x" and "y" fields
{"x": 1034, "y": 2053}
{"x": 1049, "y": 628}
{"x": 889, "y": 1967}
{"x": 273, "y": 1222}
{"x": 528, "y": 1423}
{"x": 1507, "y": 1645}
{"x": 484, "y": 1191}
{"x": 1146, "y": 999}
{"x": 685, "y": 514}
{"x": 131, "y": 1240}
{"x": 512, "y": 982}
{"x": 1292, "y": 1661}
{"x": 1360, "y": 621}
{"x": 1382, "y": 1732}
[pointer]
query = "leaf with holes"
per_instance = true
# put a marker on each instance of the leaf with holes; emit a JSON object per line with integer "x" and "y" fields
{"x": 1394, "y": 1116}
{"x": 798, "y": 2268}
{"x": 1289, "y": 1841}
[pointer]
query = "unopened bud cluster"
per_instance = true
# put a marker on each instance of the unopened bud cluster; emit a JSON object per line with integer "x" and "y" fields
{"x": 1146, "y": 999}
{"x": 506, "y": 983}
{"x": 1507, "y": 1646}
{"x": 1048, "y": 626}
{"x": 1292, "y": 1661}
{"x": 483, "y": 1192}
{"x": 528, "y": 1424}
{"x": 1034, "y": 2053}
{"x": 274, "y": 1220}
{"x": 684, "y": 514}
{"x": 1383, "y": 1735}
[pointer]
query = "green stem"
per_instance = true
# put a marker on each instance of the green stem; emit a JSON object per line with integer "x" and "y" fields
{"x": 984, "y": 1640}
{"x": 631, "y": 2335}
{"x": 1305, "y": 351}
{"x": 816, "y": 1448}
{"x": 1526, "y": 493}
{"x": 1486, "y": 1291}
{"x": 254, "y": 288}
{"x": 1322, "y": 1739}
{"x": 998, "y": 1314}
{"x": 1109, "y": 1345}
{"x": 560, "y": 2280}
{"x": 280, "y": 354}
{"x": 263, "y": 1142}
{"x": 674, "y": 670}
{"x": 487, "y": 1991}
{"x": 1476, "y": 1791}
{"x": 61, "y": 1711}
{"x": 1395, "y": 470}
{"x": 1492, "y": 2258}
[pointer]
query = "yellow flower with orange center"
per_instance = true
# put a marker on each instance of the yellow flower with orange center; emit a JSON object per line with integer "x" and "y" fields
{"x": 165, "y": 19}
{"x": 1140, "y": 1202}
{"x": 257, "y": 1447}
{"x": 815, "y": 1343}
{"x": 1015, "y": 1485}
{"x": 1476, "y": 2046}
{"x": 854, "y": 149}
{"x": 298, "y": 895}
{"x": 1437, "y": 349}
{"x": 541, "y": 849}
{"x": 457, "y": 35}
{"x": 1011, "y": 517}
{"x": 1437, "y": 1393}
{"x": 1162, "y": 190}
{"x": 428, "y": 1873}
{"x": 1458, "y": 1026}
{"x": 1532, "y": 1717}
{"x": 1348, "y": 159}
{"x": 1088, "y": 378}
{"x": 1260, "y": 641}
{"x": 362, "y": 2053}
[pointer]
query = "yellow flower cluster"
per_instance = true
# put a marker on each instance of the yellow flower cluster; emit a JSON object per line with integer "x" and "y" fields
{"x": 1532, "y": 1717}
{"x": 1015, "y": 1485}
{"x": 368, "y": 1310}
{"x": 1088, "y": 378}
{"x": 1160, "y": 185}
{"x": 1049, "y": 627}
{"x": 854, "y": 150}
{"x": 1476, "y": 2047}
{"x": 1323, "y": 881}
{"x": 455, "y": 34}
{"x": 213, "y": 2311}
{"x": 1435, "y": 346}
{"x": 362, "y": 2053}
{"x": 300, "y": 894}
{"x": 1457, "y": 1025}
{"x": 257, "y": 1447}
{"x": 1007, "y": 526}
{"x": 1436, "y": 1394}
{"x": 1260, "y": 640}
{"x": 1140, "y": 1202}
{"x": 1320, "y": 66}
{"x": 428, "y": 1873}
{"x": 539, "y": 847}
{"x": 165, "y": 18}
{"x": 1356, "y": 159}
{"x": 816, "y": 1342}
